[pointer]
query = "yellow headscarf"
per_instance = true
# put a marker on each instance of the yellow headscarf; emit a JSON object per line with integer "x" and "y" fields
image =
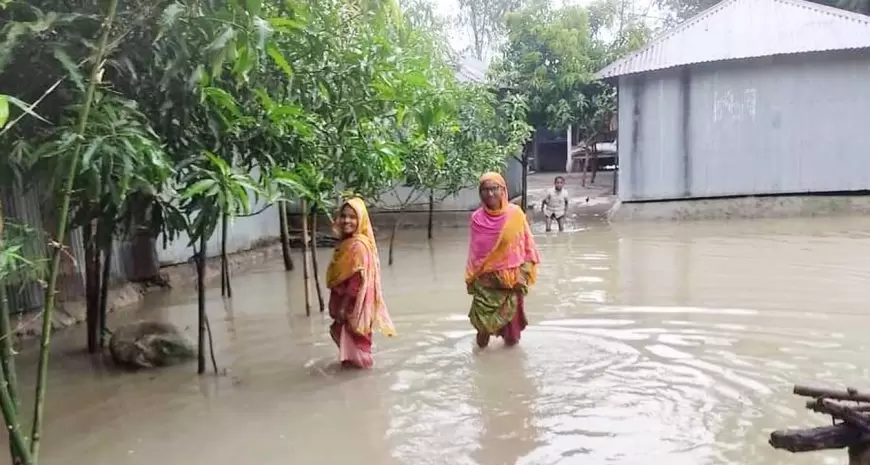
{"x": 345, "y": 263}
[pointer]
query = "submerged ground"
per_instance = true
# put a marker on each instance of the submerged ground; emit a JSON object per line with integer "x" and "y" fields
{"x": 670, "y": 343}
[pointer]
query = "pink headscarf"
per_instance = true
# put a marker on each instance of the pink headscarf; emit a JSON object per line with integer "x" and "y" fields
{"x": 500, "y": 239}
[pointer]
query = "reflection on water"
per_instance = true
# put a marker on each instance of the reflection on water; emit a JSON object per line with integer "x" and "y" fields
{"x": 671, "y": 342}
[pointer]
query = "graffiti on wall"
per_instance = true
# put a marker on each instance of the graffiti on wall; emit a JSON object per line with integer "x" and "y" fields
{"x": 734, "y": 106}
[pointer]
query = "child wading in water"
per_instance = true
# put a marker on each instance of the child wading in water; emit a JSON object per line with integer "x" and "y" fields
{"x": 555, "y": 204}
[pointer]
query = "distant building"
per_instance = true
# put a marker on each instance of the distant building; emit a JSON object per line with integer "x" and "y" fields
{"x": 749, "y": 98}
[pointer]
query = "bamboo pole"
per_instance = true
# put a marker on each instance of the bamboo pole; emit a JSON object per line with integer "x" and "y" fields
{"x": 314, "y": 260}
{"x": 305, "y": 259}
{"x": 8, "y": 376}
{"x": 60, "y": 235}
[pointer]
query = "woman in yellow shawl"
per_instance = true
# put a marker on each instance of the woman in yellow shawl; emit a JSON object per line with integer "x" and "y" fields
{"x": 356, "y": 302}
{"x": 502, "y": 264}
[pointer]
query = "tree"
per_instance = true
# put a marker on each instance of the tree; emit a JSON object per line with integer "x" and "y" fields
{"x": 551, "y": 57}
{"x": 486, "y": 22}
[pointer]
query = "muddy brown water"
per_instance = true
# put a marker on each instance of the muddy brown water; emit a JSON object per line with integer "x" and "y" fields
{"x": 669, "y": 343}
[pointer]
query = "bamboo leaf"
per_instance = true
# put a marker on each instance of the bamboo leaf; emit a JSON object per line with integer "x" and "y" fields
{"x": 279, "y": 59}
{"x": 72, "y": 69}
{"x": 4, "y": 111}
{"x": 25, "y": 108}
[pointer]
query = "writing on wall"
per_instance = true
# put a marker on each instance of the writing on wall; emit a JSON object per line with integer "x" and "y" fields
{"x": 734, "y": 106}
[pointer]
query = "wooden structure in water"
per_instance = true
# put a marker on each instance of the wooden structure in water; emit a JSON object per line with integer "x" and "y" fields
{"x": 850, "y": 428}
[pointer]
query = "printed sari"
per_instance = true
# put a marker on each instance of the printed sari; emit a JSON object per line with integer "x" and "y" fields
{"x": 502, "y": 266}
{"x": 356, "y": 301}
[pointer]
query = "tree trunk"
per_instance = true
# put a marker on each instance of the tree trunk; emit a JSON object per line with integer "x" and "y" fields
{"x": 535, "y": 150}
{"x": 104, "y": 292}
{"x": 305, "y": 277}
{"x": 393, "y": 238}
{"x": 594, "y": 164}
{"x": 314, "y": 260}
{"x": 92, "y": 286}
{"x": 285, "y": 236}
{"x": 226, "y": 286}
{"x": 524, "y": 202}
{"x": 431, "y": 214}
{"x": 200, "y": 295}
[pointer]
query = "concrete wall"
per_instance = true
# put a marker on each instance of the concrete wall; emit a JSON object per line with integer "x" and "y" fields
{"x": 777, "y": 125}
{"x": 246, "y": 233}
{"x": 467, "y": 199}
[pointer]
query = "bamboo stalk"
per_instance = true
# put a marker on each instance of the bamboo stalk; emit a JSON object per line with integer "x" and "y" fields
{"x": 305, "y": 277}
{"x": 7, "y": 369}
{"x": 7, "y": 352}
{"x": 7, "y": 407}
{"x": 201, "y": 316}
{"x": 60, "y": 234}
{"x": 815, "y": 406}
{"x": 848, "y": 394}
{"x": 847, "y": 415}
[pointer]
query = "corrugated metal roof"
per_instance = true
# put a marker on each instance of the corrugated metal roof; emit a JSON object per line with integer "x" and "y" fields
{"x": 737, "y": 29}
{"x": 470, "y": 69}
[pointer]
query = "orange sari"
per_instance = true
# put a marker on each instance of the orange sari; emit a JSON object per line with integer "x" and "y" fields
{"x": 356, "y": 298}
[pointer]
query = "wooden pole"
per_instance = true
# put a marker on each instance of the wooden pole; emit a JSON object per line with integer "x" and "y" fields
{"x": 305, "y": 259}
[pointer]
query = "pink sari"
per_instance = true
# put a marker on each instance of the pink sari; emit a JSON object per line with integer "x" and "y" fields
{"x": 501, "y": 267}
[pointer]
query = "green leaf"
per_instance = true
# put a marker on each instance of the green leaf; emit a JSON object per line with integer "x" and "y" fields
{"x": 223, "y": 99}
{"x": 4, "y": 110}
{"x": 253, "y": 6}
{"x": 89, "y": 153}
{"x": 71, "y": 68}
{"x": 285, "y": 24}
{"x": 279, "y": 59}
{"x": 198, "y": 188}
{"x": 220, "y": 42}
{"x": 25, "y": 108}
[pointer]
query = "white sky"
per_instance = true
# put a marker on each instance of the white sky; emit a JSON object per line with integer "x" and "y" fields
{"x": 460, "y": 39}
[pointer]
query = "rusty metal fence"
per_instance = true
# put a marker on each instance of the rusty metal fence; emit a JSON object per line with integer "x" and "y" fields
{"x": 23, "y": 211}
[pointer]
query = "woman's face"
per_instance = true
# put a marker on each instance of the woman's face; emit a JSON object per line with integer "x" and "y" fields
{"x": 348, "y": 222}
{"x": 490, "y": 195}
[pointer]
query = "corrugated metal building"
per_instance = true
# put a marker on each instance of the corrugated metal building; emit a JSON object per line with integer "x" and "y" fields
{"x": 750, "y": 97}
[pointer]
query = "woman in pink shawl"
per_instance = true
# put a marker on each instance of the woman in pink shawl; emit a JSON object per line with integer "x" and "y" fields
{"x": 502, "y": 264}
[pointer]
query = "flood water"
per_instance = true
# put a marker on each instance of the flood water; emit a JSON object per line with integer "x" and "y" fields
{"x": 669, "y": 343}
